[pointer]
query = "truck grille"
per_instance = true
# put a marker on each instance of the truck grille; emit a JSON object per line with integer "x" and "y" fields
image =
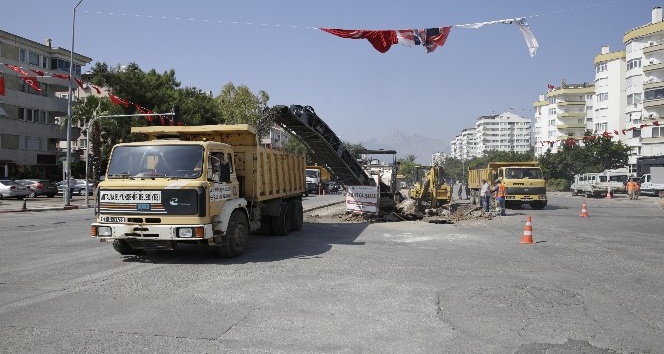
{"x": 526, "y": 190}
{"x": 141, "y": 244}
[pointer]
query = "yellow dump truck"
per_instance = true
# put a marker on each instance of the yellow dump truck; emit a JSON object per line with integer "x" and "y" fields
{"x": 318, "y": 178}
{"x": 524, "y": 181}
{"x": 206, "y": 185}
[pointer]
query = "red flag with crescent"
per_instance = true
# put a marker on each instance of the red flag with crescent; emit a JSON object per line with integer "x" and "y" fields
{"x": 32, "y": 81}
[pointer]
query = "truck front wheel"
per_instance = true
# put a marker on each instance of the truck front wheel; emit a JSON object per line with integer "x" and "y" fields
{"x": 237, "y": 235}
{"x": 538, "y": 205}
{"x": 281, "y": 224}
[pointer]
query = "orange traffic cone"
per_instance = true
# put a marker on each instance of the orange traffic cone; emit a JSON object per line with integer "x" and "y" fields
{"x": 584, "y": 211}
{"x": 527, "y": 232}
{"x": 609, "y": 193}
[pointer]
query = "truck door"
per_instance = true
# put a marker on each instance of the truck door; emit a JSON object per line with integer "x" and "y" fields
{"x": 221, "y": 176}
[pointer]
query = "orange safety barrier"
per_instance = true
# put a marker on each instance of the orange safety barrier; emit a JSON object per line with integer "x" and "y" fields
{"x": 584, "y": 211}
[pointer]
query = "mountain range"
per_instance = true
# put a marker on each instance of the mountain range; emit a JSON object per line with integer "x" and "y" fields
{"x": 420, "y": 146}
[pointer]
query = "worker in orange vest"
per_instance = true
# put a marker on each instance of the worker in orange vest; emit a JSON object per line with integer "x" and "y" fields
{"x": 631, "y": 188}
{"x": 500, "y": 191}
{"x": 637, "y": 189}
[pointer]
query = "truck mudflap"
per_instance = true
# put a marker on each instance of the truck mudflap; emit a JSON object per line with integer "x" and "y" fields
{"x": 105, "y": 232}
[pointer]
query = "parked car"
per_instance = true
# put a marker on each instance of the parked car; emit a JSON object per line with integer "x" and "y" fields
{"x": 80, "y": 187}
{"x": 39, "y": 187}
{"x": 10, "y": 189}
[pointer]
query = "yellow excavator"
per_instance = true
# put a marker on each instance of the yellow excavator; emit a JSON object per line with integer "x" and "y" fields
{"x": 430, "y": 190}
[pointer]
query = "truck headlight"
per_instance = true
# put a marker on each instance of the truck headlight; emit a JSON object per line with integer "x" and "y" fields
{"x": 104, "y": 231}
{"x": 185, "y": 232}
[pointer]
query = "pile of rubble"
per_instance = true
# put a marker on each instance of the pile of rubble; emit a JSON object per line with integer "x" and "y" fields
{"x": 407, "y": 210}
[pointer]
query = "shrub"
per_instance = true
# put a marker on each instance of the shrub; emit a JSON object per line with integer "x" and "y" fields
{"x": 557, "y": 185}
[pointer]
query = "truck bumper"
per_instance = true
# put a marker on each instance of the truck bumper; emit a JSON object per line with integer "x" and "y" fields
{"x": 525, "y": 198}
{"x": 105, "y": 232}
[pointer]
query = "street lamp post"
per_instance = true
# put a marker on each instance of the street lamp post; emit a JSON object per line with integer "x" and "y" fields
{"x": 65, "y": 184}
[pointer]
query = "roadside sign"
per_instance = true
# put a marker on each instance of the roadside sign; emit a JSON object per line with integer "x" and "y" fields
{"x": 362, "y": 199}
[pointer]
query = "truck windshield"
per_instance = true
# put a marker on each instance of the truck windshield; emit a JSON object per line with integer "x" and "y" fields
{"x": 150, "y": 161}
{"x": 312, "y": 173}
{"x": 523, "y": 172}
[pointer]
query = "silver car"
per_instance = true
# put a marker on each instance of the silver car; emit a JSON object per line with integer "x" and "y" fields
{"x": 10, "y": 189}
{"x": 79, "y": 189}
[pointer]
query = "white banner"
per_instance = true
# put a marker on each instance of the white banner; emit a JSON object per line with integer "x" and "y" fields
{"x": 106, "y": 196}
{"x": 362, "y": 199}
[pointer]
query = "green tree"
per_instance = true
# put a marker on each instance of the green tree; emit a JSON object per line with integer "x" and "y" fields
{"x": 597, "y": 154}
{"x": 407, "y": 168}
{"x": 238, "y": 105}
{"x": 294, "y": 145}
{"x": 354, "y": 149}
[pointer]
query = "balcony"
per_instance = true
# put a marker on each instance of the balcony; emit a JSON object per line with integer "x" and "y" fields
{"x": 571, "y": 103}
{"x": 653, "y": 48}
{"x": 652, "y": 67}
{"x": 653, "y": 85}
{"x": 577, "y": 115}
{"x": 659, "y": 103}
{"x": 570, "y": 126}
{"x": 657, "y": 140}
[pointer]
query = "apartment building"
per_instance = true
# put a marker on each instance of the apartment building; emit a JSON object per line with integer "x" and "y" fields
{"x": 644, "y": 89}
{"x": 502, "y": 132}
{"x": 563, "y": 112}
{"x": 464, "y": 145}
{"x": 609, "y": 102}
{"x": 29, "y": 118}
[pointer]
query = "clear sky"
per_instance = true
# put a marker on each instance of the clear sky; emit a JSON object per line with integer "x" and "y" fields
{"x": 360, "y": 93}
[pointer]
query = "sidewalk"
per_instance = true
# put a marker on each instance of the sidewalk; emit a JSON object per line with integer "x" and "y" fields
{"x": 43, "y": 204}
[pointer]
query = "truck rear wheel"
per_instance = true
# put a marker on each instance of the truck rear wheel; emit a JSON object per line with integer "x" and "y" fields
{"x": 237, "y": 235}
{"x": 297, "y": 215}
{"x": 123, "y": 248}
{"x": 281, "y": 224}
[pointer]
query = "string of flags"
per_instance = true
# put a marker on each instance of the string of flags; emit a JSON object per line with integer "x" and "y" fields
{"x": 430, "y": 38}
{"x": 115, "y": 100}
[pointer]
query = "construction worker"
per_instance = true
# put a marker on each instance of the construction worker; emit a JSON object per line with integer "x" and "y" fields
{"x": 485, "y": 195}
{"x": 637, "y": 189}
{"x": 631, "y": 188}
{"x": 500, "y": 191}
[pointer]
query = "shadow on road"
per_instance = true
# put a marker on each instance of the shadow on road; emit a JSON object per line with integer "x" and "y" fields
{"x": 313, "y": 241}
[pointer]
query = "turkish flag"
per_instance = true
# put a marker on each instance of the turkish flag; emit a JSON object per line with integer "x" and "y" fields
{"x": 655, "y": 123}
{"x": 117, "y": 100}
{"x": 17, "y": 69}
{"x": 2, "y": 86}
{"x": 38, "y": 72}
{"x": 550, "y": 87}
{"x": 96, "y": 89}
{"x": 32, "y": 81}
{"x": 79, "y": 82}
{"x": 60, "y": 76}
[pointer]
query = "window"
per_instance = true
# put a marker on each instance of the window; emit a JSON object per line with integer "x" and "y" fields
{"x": 654, "y": 94}
{"x": 44, "y": 62}
{"x": 22, "y": 55}
{"x": 552, "y": 111}
{"x": 600, "y": 68}
{"x": 33, "y": 58}
{"x": 634, "y": 99}
{"x": 636, "y": 133}
{"x": 600, "y": 127}
{"x": 657, "y": 132}
{"x": 63, "y": 65}
{"x": 633, "y": 64}
{"x": 42, "y": 117}
{"x": 601, "y": 97}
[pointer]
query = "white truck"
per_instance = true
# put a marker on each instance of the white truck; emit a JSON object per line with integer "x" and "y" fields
{"x": 653, "y": 183}
{"x": 587, "y": 184}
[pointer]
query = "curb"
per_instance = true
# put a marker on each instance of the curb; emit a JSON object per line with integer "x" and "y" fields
{"x": 323, "y": 206}
{"x": 69, "y": 207}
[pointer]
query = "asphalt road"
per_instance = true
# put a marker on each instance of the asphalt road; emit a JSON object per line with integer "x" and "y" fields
{"x": 587, "y": 285}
